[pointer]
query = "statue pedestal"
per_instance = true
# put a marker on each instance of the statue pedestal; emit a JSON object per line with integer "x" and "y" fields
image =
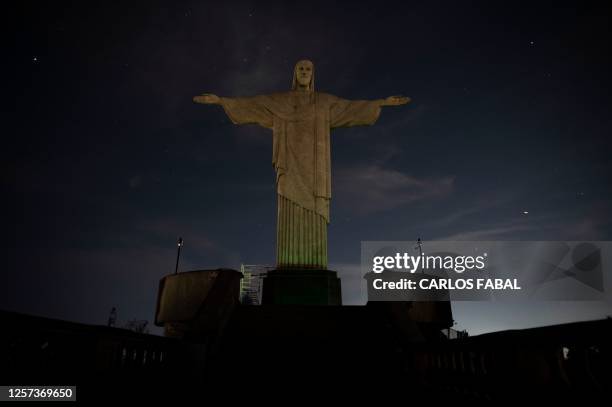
{"x": 301, "y": 287}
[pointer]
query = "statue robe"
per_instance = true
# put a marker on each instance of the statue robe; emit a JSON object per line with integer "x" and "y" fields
{"x": 301, "y": 123}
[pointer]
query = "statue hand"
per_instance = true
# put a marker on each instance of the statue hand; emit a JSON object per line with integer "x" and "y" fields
{"x": 207, "y": 99}
{"x": 396, "y": 101}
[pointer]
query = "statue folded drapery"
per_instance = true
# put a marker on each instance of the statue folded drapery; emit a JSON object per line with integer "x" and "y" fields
{"x": 301, "y": 120}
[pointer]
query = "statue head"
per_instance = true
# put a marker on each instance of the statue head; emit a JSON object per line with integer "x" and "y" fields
{"x": 303, "y": 75}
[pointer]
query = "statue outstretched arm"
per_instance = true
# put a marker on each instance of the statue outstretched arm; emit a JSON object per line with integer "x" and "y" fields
{"x": 241, "y": 110}
{"x": 348, "y": 113}
{"x": 395, "y": 101}
{"x": 207, "y": 99}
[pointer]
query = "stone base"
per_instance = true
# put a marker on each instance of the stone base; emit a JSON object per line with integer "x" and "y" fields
{"x": 301, "y": 287}
{"x": 197, "y": 303}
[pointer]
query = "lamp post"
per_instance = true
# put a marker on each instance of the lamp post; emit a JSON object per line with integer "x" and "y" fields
{"x": 420, "y": 247}
{"x": 178, "y": 254}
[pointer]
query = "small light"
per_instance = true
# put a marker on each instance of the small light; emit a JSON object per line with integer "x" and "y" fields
{"x": 525, "y": 212}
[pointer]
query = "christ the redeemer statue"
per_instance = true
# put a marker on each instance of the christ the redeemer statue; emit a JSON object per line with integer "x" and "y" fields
{"x": 301, "y": 120}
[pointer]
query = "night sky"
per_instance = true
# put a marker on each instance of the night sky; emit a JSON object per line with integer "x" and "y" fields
{"x": 107, "y": 159}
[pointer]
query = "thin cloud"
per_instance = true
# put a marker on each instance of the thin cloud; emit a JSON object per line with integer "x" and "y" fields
{"x": 172, "y": 228}
{"x": 477, "y": 205}
{"x": 489, "y": 234}
{"x": 373, "y": 188}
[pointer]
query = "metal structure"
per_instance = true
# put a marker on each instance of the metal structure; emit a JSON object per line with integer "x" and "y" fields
{"x": 251, "y": 283}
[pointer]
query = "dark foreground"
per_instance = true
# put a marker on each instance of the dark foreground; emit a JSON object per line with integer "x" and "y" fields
{"x": 310, "y": 352}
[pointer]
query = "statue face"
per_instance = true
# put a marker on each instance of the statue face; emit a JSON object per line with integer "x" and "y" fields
{"x": 303, "y": 73}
